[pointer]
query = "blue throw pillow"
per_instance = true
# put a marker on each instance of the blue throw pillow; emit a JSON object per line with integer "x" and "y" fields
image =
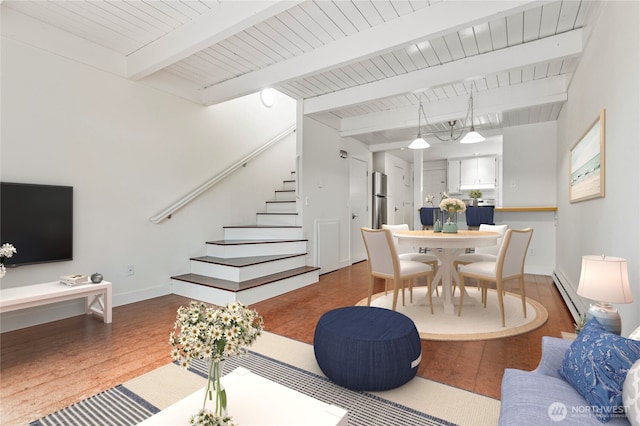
{"x": 596, "y": 365}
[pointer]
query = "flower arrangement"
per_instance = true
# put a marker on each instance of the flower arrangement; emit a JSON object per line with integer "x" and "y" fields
{"x": 6, "y": 250}
{"x": 429, "y": 199}
{"x": 452, "y": 205}
{"x": 213, "y": 333}
{"x": 475, "y": 193}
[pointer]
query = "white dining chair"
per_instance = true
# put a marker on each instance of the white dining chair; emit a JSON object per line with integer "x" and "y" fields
{"x": 403, "y": 254}
{"x": 508, "y": 265}
{"x": 384, "y": 263}
{"x": 483, "y": 254}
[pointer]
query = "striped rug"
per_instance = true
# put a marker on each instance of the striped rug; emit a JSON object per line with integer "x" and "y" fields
{"x": 120, "y": 406}
{"x": 115, "y": 406}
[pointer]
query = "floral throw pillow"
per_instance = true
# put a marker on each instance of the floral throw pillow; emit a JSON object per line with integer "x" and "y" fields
{"x": 596, "y": 365}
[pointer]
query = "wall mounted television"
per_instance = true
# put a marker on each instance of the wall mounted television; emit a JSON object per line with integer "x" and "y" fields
{"x": 38, "y": 221}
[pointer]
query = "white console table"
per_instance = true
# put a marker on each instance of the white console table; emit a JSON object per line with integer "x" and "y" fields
{"x": 98, "y": 297}
{"x": 255, "y": 401}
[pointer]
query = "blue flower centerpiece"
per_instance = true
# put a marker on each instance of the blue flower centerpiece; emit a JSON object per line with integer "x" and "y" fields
{"x": 452, "y": 206}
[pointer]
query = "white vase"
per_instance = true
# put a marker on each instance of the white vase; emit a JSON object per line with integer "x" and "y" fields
{"x": 3, "y": 270}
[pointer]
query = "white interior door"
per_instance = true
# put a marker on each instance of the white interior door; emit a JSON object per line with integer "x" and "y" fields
{"x": 359, "y": 205}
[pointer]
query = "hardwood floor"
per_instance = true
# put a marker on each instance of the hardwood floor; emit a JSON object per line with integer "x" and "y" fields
{"x": 50, "y": 366}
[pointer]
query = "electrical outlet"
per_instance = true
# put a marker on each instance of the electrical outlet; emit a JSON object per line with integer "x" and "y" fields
{"x": 130, "y": 270}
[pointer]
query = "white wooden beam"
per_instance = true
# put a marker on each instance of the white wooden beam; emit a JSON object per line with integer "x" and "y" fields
{"x": 544, "y": 50}
{"x": 426, "y": 23}
{"x": 32, "y": 32}
{"x": 533, "y": 93}
{"x": 224, "y": 20}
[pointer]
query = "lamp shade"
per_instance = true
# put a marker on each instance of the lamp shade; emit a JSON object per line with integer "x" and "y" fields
{"x": 472, "y": 137}
{"x": 605, "y": 279}
{"x": 419, "y": 143}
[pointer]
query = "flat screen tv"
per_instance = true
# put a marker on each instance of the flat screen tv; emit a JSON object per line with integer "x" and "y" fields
{"x": 38, "y": 221}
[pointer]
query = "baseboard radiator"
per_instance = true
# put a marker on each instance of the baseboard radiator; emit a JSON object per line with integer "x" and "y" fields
{"x": 568, "y": 292}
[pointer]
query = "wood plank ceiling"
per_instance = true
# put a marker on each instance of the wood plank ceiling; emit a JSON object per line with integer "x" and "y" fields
{"x": 362, "y": 67}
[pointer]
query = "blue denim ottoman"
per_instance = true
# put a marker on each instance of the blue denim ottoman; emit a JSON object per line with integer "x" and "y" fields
{"x": 367, "y": 348}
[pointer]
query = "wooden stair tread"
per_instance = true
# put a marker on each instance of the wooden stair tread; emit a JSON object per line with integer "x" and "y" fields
{"x": 245, "y": 261}
{"x": 247, "y": 242}
{"x": 243, "y": 285}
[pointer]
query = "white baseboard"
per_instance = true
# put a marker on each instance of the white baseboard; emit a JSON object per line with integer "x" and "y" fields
{"x": 574, "y": 303}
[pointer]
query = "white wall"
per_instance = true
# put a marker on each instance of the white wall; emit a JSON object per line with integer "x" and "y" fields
{"x": 607, "y": 77}
{"x": 529, "y": 180}
{"x": 529, "y": 165}
{"x": 325, "y": 188}
{"x": 129, "y": 151}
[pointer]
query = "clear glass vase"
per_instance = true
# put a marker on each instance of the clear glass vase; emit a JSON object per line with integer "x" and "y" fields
{"x": 451, "y": 224}
{"x": 215, "y": 390}
{"x": 437, "y": 220}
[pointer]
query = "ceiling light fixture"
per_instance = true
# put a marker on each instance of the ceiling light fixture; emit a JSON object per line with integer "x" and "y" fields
{"x": 267, "y": 97}
{"x": 471, "y": 137}
{"x": 419, "y": 142}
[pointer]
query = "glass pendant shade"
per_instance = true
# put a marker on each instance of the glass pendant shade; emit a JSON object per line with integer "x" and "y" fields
{"x": 472, "y": 137}
{"x": 419, "y": 143}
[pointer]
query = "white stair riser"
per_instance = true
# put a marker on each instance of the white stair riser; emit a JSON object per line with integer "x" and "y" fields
{"x": 289, "y": 185}
{"x": 277, "y": 219}
{"x": 257, "y": 249}
{"x": 244, "y": 273}
{"x": 285, "y": 195}
{"x": 250, "y": 296}
{"x": 263, "y": 233}
{"x": 283, "y": 207}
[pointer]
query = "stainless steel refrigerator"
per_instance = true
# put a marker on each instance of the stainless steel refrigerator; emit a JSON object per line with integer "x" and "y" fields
{"x": 379, "y": 200}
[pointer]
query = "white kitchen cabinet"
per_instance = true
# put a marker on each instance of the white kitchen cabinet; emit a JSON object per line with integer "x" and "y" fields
{"x": 478, "y": 172}
{"x": 453, "y": 177}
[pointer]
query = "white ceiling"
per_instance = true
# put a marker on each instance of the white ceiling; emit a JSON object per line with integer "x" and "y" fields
{"x": 359, "y": 66}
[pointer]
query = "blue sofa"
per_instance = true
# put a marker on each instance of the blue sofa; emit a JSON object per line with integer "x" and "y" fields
{"x": 542, "y": 397}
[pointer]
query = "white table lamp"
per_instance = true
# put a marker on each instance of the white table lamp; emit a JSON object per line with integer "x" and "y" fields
{"x": 605, "y": 279}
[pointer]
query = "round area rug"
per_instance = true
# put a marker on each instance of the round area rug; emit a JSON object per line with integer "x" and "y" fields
{"x": 475, "y": 323}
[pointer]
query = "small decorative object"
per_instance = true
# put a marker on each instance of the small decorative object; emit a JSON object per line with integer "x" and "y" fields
{"x": 475, "y": 194}
{"x": 203, "y": 332}
{"x": 429, "y": 199}
{"x": 437, "y": 220}
{"x": 579, "y": 325}
{"x": 451, "y": 206}
{"x": 6, "y": 250}
{"x": 96, "y": 278}
{"x": 74, "y": 279}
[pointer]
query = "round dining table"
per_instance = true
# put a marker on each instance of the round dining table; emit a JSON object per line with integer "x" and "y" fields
{"x": 446, "y": 247}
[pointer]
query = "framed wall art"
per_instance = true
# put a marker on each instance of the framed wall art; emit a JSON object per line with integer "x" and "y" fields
{"x": 587, "y": 169}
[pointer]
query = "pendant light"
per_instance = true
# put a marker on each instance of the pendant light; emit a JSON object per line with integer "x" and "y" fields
{"x": 472, "y": 136}
{"x": 419, "y": 142}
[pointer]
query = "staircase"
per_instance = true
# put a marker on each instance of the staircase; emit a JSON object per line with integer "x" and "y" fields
{"x": 253, "y": 262}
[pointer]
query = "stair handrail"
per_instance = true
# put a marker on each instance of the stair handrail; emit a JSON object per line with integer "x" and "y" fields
{"x": 186, "y": 199}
